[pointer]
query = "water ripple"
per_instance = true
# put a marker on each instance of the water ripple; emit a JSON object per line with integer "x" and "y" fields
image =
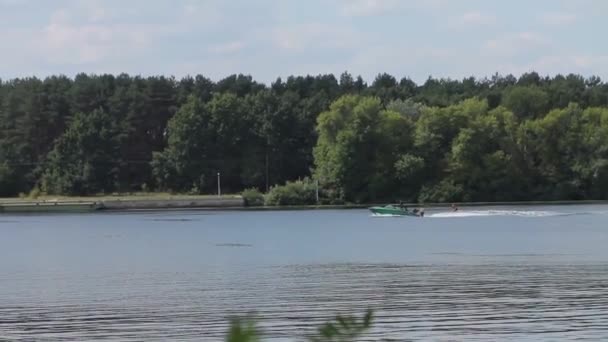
{"x": 443, "y": 302}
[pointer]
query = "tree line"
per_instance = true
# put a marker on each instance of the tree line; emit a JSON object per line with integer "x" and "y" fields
{"x": 498, "y": 138}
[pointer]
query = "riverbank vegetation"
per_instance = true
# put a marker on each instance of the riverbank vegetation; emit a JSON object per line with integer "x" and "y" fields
{"x": 497, "y": 139}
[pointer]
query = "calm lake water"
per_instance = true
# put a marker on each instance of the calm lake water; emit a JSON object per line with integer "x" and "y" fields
{"x": 488, "y": 274}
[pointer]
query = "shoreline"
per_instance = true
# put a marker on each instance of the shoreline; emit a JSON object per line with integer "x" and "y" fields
{"x": 119, "y": 203}
{"x": 156, "y": 202}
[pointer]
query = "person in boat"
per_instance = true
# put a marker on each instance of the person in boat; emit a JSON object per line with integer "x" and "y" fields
{"x": 454, "y": 207}
{"x": 402, "y": 206}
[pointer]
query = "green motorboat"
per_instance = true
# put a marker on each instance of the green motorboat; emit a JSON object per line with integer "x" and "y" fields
{"x": 392, "y": 210}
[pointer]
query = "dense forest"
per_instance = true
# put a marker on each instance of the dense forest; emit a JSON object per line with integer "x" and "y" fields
{"x": 498, "y": 138}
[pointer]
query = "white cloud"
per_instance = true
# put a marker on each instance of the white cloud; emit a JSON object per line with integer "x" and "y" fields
{"x": 571, "y": 63}
{"x": 203, "y": 12}
{"x": 64, "y": 42}
{"x": 210, "y": 37}
{"x": 474, "y": 18}
{"x": 558, "y": 18}
{"x": 94, "y": 10}
{"x": 433, "y": 4}
{"x": 401, "y": 54}
{"x": 592, "y": 62}
{"x": 11, "y": 2}
{"x": 367, "y": 7}
{"x": 298, "y": 38}
{"x": 229, "y": 47}
{"x": 515, "y": 43}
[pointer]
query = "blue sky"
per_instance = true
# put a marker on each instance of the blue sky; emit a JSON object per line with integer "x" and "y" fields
{"x": 272, "y": 38}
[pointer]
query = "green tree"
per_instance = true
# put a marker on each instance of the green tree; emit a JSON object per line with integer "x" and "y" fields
{"x": 278, "y": 126}
{"x": 9, "y": 182}
{"x": 33, "y": 114}
{"x": 493, "y": 138}
{"x": 204, "y": 139}
{"x": 181, "y": 165}
{"x": 435, "y": 132}
{"x": 358, "y": 147}
{"x": 82, "y": 161}
{"x": 526, "y": 102}
{"x": 595, "y": 140}
{"x": 406, "y": 107}
{"x": 567, "y": 150}
{"x": 142, "y": 108}
{"x": 481, "y": 159}
{"x": 385, "y": 87}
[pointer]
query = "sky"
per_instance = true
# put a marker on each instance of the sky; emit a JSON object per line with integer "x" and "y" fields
{"x": 277, "y": 38}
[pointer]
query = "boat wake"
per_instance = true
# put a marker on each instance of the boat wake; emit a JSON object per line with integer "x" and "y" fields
{"x": 498, "y": 212}
{"x": 520, "y": 213}
{"x": 386, "y": 215}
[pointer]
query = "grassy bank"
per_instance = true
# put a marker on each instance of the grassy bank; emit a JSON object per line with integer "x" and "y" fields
{"x": 139, "y": 201}
{"x": 111, "y": 197}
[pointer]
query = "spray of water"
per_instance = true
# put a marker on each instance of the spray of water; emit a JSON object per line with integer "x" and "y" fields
{"x": 496, "y": 212}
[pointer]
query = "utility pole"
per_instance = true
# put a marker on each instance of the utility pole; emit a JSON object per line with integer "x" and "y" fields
{"x": 219, "y": 189}
{"x": 267, "y": 185}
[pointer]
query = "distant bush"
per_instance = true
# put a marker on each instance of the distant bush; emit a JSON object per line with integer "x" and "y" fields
{"x": 301, "y": 192}
{"x": 35, "y": 193}
{"x": 253, "y": 197}
{"x": 331, "y": 196}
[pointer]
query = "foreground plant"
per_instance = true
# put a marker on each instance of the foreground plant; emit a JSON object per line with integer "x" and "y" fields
{"x": 341, "y": 329}
{"x": 243, "y": 330}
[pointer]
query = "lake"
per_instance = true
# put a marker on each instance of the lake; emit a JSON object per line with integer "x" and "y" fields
{"x": 485, "y": 274}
